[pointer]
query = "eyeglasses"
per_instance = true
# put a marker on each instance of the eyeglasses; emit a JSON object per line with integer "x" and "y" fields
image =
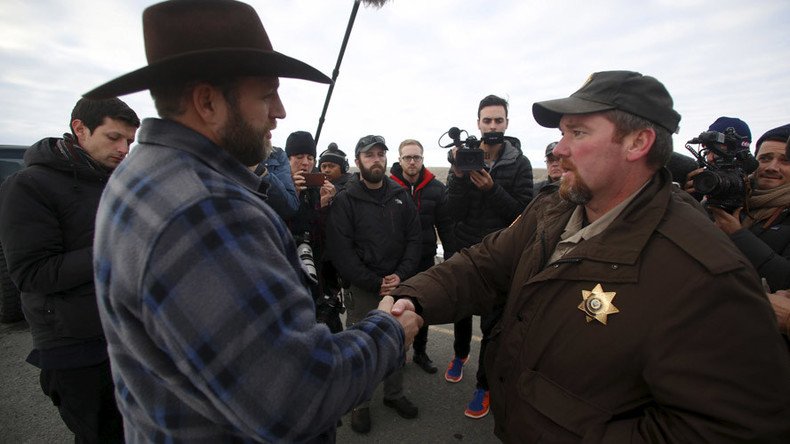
{"x": 412, "y": 159}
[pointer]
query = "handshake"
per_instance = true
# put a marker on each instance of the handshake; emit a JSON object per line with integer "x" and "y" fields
{"x": 405, "y": 313}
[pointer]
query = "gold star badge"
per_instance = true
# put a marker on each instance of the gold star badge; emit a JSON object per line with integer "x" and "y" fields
{"x": 597, "y": 304}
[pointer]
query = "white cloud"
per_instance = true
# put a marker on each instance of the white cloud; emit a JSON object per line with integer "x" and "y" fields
{"x": 414, "y": 68}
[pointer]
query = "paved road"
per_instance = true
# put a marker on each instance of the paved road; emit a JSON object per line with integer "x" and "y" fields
{"x": 27, "y": 416}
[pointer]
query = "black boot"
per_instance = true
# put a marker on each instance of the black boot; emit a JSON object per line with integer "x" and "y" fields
{"x": 360, "y": 420}
{"x": 403, "y": 406}
{"x": 425, "y": 363}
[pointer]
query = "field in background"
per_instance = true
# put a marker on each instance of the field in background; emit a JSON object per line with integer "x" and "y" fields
{"x": 441, "y": 173}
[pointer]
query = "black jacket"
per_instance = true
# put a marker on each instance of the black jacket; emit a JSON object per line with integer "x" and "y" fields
{"x": 478, "y": 213}
{"x": 768, "y": 249}
{"x": 430, "y": 197}
{"x": 342, "y": 181}
{"x": 368, "y": 239}
{"x": 47, "y": 214}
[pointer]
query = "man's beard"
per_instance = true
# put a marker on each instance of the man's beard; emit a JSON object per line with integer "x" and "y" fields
{"x": 245, "y": 143}
{"x": 370, "y": 175}
{"x": 577, "y": 193}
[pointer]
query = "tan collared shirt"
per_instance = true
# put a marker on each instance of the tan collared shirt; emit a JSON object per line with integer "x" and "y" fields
{"x": 575, "y": 233}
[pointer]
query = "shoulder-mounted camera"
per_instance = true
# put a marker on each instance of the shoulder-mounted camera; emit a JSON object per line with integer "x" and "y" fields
{"x": 727, "y": 162}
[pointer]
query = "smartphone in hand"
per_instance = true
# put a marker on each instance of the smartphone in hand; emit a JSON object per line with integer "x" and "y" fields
{"x": 314, "y": 180}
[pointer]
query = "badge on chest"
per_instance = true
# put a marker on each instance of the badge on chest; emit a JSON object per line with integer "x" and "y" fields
{"x": 597, "y": 304}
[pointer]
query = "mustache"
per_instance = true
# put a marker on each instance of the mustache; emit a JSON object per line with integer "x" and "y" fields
{"x": 567, "y": 165}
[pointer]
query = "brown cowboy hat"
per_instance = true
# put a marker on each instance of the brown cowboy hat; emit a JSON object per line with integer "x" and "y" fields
{"x": 201, "y": 40}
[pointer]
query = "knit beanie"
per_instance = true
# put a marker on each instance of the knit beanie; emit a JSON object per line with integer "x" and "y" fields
{"x": 335, "y": 155}
{"x": 300, "y": 142}
{"x": 779, "y": 134}
{"x": 332, "y": 154}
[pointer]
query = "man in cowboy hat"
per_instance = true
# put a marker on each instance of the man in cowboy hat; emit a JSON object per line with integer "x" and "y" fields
{"x": 210, "y": 324}
{"x": 627, "y": 317}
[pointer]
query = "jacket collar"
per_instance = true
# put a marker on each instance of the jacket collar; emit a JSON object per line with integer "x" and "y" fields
{"x": 425, "y": 177}
{"x": 357, "y": 189}
{"x": 177, "y": 136}
{"x": 616, "y": 248}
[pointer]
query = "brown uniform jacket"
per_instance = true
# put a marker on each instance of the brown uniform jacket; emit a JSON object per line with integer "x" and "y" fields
{"x": 693, "y": 355}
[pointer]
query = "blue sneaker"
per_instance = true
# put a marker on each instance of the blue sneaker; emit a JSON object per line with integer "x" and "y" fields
{"x": 478, "y": 406}
{"x": 455, "y": 370}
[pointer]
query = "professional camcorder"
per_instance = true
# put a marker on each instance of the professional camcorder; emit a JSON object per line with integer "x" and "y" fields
{"x": 469, "y": 156}
{"x": 725, "y": 179}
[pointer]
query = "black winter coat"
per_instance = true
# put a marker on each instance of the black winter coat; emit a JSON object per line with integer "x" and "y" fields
{"x": 430, "y": 197}
{"x": 368, "y": 239}
{"x": 478, "y": 213}
{"x": 768, "y": 249}
{"x": 342, "y": 181}
{"x": 47, "y": 216}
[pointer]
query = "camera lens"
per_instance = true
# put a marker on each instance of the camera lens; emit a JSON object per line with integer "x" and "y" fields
{"x": 706, "y": 182}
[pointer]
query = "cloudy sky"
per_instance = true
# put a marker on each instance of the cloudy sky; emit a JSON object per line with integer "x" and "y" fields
{"x": 414, "y": 68}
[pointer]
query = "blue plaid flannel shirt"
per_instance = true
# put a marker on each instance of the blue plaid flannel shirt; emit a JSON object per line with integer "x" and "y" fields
{"x": 210, "y": 324}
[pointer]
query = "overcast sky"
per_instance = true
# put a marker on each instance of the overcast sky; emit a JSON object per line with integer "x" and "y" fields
{"x": 414, "y": 68}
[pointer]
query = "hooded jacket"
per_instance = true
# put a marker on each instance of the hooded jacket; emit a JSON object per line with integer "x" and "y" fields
{"x": 47, "y": 214}
{"x": 368, "y": 239}
{"x": 430, "y": 197}
{"x": 691, "y": 355}
{"x": 478, "y": 213}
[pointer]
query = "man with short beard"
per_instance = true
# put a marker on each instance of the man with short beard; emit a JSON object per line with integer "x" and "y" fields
{"x": 761, "y": 230}
{"x": 210, "y": 325}
{"x": 374, "y": 242}
{"x": 627, "y": 317}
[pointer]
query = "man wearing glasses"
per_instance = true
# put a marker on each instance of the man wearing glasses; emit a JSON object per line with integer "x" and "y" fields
{"x": 373, "y": 240}
{"x": 430, "y": 196}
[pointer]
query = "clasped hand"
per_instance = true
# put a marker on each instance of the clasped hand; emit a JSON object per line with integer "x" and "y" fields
{"x": 405, "y": 313}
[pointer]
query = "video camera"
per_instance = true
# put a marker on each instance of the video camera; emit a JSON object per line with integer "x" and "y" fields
{"x": 725, "y": 179}
{"x": 469, "y": 156}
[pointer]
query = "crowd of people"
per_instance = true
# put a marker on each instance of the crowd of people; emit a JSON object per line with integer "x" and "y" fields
{"x": 193, "y": 289}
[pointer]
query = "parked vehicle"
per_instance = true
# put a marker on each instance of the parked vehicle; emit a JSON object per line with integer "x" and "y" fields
{"x": 10, "y": 305}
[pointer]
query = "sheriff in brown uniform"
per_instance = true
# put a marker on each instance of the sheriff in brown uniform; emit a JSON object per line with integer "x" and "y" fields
{"x": 629, "y": 317}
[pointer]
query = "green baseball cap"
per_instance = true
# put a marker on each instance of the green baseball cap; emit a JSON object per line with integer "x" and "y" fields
{"x": 628, "y": 91}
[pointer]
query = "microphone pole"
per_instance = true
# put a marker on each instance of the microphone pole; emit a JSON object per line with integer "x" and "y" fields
{"x": 336, "y": 72}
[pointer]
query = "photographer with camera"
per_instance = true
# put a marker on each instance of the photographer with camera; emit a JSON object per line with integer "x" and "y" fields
{"x": 308, "y": 227}
{"x": 374, "y": 242}
{"x": 761, "y": 228}
{"x": 720, "y": 126}
{"x": 482, "y": 201}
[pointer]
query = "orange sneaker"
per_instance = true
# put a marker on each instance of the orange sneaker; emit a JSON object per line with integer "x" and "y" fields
{"x": 455, "y": 369}
{"x": 478, "y": 406}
